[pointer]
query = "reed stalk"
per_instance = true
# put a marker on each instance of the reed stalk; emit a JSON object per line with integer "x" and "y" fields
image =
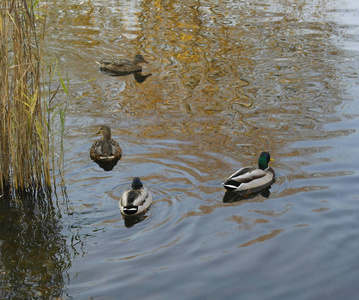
{"x": 24, "y": 141}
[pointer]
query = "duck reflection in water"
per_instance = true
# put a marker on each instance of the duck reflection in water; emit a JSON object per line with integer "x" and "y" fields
{"x": 106, "y": 165}
{"x": 139, "y": 77}
{"x": 230, "y": 197}
{"x": 132, "y": 220}
{"x": 106, "y": 152}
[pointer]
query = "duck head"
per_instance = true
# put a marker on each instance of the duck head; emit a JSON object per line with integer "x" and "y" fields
{"x": 136, "y": 183}
{"x": 139, "y": 59}
{"x": 263, "y": 160}
{"x": 105, "y": 132}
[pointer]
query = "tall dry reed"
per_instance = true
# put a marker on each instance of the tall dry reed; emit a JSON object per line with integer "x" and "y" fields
{"x": 24, "y": 148}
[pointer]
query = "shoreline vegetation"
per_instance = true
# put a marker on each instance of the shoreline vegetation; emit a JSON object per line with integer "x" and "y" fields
{"x": 26, "y": 151}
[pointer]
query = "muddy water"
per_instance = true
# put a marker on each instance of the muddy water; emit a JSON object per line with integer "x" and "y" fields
{"x": 228, "y": 80}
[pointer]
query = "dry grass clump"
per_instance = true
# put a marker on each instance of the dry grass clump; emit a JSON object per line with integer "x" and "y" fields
{"x": 24, "y": 132}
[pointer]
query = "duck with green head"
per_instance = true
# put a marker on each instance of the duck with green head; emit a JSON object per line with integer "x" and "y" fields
{"x": 122, "y": 65}
{"x": 249, "y": 178}
{"x": 136, "y": 200}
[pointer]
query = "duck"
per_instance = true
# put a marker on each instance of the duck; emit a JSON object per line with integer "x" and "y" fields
{"x": 106, "y": 149}
{"x": 136, "y": 200}
{"x": 122, "y": 65}
{"x": 249, "y": 179}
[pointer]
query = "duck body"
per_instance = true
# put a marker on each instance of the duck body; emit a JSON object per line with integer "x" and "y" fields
{"x": 106, "y": 149}
{"x": 249, "y": 179}
{"x": 136, "y": 200}
{"x": 122, "y": 65}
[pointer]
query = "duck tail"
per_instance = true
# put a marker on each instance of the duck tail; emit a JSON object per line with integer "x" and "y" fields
{"x": 230, "y": 188}
{"x": 130, "y": 209}
{"x": 231, "y": 185}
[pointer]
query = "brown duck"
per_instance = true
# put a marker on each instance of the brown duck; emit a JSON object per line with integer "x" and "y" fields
{"x": 122, "y": 65}
{"x": 106, "y": 149}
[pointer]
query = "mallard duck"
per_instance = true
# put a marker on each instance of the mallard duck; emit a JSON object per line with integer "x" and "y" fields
{"x": 106, "y": 149}
{"x": 136, "y": 200}
{"x": 249, "y": 178}
{"x": 122, "y": 65}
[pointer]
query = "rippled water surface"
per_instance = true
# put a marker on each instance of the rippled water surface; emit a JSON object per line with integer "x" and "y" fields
{"x": 229, "y": 80}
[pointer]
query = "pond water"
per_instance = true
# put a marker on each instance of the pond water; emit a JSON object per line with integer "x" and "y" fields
{"x": 229, "y": 79}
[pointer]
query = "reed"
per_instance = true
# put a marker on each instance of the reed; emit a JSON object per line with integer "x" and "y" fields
{"x": 24, "y": 150}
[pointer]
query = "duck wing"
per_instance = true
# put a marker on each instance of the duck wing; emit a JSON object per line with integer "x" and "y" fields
{"x": 245, "y": 174}
{"x": 135, "y": 201}
{"x": 245, "y": 178}
{"x": 116, "y": 62}
{"x": 116, "y": 150}
{"x": 96, "y": 150}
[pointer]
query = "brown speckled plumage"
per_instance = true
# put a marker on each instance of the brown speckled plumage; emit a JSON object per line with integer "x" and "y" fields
{"x": 105, "y": 149}
{"x": 122, "y": 65}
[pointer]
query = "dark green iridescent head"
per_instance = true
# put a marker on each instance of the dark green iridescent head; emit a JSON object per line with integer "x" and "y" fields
{"x": 136, "y": 183}
{"x": 263, "y": 160}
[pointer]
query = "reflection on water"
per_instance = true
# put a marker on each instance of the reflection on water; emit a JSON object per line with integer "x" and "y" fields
{"x": 132, "y": 220}
{"x": 107, "y": 165}
{"x": 208, "y": 62}
{"x": 237, "y": 196}
{"x": 229, "y": 79}
{"x": 33, "y": 251}
{"x": 139, "y": 77}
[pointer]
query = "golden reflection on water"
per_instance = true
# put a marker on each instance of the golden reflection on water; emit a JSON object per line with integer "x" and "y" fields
{"x": 262, "y": 238}
{"x": 230, "y": 78}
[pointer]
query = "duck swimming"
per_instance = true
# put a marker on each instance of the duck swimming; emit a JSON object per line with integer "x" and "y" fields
{"x": 122, "y": 65}
{"x": 106, "y": 149}
{"x": 136, "y": 200}
{"x": 251, "y": 179}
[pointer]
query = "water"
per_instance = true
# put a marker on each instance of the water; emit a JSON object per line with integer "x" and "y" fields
{"x": 229, "y": 80}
